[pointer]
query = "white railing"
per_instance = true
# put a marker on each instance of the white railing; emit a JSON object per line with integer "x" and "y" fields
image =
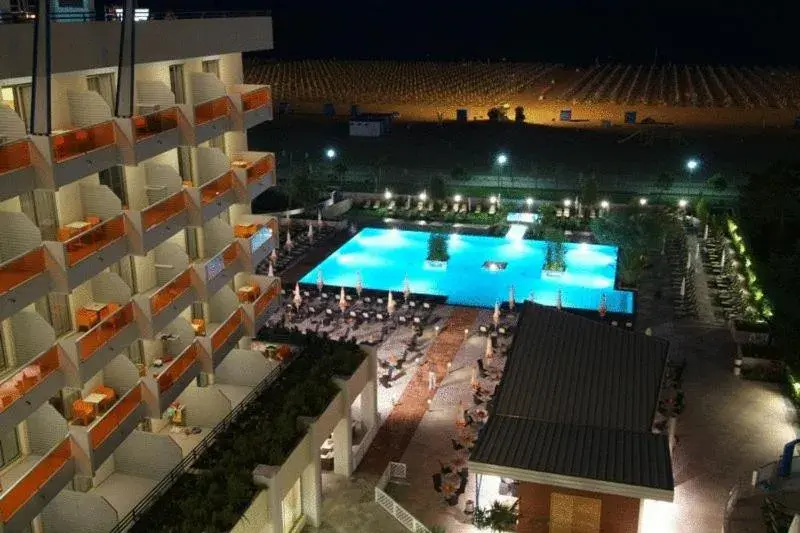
{"x": 366, "y": 442}
{"x": 396, "y": 470}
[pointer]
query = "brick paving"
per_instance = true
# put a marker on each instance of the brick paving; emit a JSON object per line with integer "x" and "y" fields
{"x": 398, "y": 429}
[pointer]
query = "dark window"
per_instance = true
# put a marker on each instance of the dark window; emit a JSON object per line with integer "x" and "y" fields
{"x": 114, "y": 179}
{"x": 9, "y": 447}
{"x": 176, "y": 83}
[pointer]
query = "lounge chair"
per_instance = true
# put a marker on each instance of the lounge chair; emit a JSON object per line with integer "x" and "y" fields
{"x": 391, "y": 206}
{"x": 430, "y": 207}
{"x": 478, "y": 209}
{"x": 456, "y": 208}
{"x": 463, "y": 208}
{"x": 492, "y": 209}
{"x": 377, "y": 204}
{"x": 444, "y": 208}
{"x": 420, "y": 205}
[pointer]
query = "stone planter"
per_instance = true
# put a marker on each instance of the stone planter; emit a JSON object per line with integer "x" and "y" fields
{"x": 552, "y": 273}
{"x": 435, "y": 265}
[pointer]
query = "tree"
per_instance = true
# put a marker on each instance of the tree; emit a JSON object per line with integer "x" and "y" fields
{"x": 340, "y": 170}
{"x": 302, "y": 189}
{"x": 717, "y": 183}
{"x": 664, "y": 182}
{"x": 589, "y": 191}
{"x": 519, "y": 114}
{"x": 497, "y": 518}
{"x": 494, "y": 115}
{"x": 438, "y": 189}
{"x": 437, "y": 247}
{"x": 701, "y": 209}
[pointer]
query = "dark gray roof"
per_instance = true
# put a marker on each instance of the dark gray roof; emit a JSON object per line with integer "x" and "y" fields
{"x": 577, "y": 399}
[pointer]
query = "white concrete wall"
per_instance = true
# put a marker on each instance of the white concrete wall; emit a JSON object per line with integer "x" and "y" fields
{"x": 147, "y": 455}
{"x": 46, "y": 428}
{"x": 205, "y": 406}
{"x": 256, "y": 519}
{"x": 72, "y": 511}
{"x": 243, "y": 367}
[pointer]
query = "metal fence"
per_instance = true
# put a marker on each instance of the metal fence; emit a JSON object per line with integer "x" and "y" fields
{"x": 22, "y": 17}
{"x": 365, "y": 443}
{"x": 127, "y": 521}
{"x": 397, "y": 471}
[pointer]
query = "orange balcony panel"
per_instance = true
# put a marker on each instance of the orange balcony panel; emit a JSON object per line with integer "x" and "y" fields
{"x": 171, "y": 291}
{"x": 260, "y": 168}
{"x": 216, "y": 187}
{"x": 82, "y": 246}
{"x": 26, "y": 488}
{"x": 263, "y": 301}
{"x": 106, "y": 330}
{"x": 81, "y": 141}
{"x": 211, "y": 110}
{"x": 256, "y": 98}
{"x": 17, "y": 271}
{"x": 164, "y": 210}
{"x": 175, "y": 370}
{"x": 114, "y": 418}
{"x": 14, "y": 156}
{"x": 28, "y": 377}
{"x": 227, "y": 328}
{"x": 230, "y": 254}
{"x": 148, "y": 125}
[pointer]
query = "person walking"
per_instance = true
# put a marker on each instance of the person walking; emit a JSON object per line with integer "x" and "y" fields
{"x": 431, "y": 377}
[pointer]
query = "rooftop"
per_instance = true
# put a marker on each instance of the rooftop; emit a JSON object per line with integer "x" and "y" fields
{"x": 577, "y": 400}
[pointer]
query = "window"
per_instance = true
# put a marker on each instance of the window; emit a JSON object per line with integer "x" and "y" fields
{"x": 198, "y": 311}
{"x": 211, "y": 67}
{"x": 3, "y": 363}
{"x": 217, "y": 142}
{"x": 176, "y": 83}
{"x": 18, "y": 98}
{"x": 114, "y": 179}
{"x": 70, "y": 3}
{"x": 55, "y": 309}
{"x": 126, "y": 269}
{"x": 9, "y": 447}
{"x": 574, "y": 513}
{"x": 103, "y": 84}
{"x": 40, "y": 207}
{"x": 185, "y": 162}
{"x": 192, "y": 249}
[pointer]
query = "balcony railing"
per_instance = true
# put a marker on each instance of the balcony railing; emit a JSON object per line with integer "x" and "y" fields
{"x": 256, "y": 98}
{"x": 164, "y": 210}
{"x": 266, "y": 297}
{"x": 221, "y": 261}
{"x": 26, "y": 488}
{"x": 154, "y": 123}
{"x": 171, "y": 291}
{"x": 260, "y": 238}
{"x": 28, "y": 377}
{"x": 92, "y": 340}
{"x": 211, "y": 110}
{"x": 110, "y": 421}
{"x": 14, "y": 156}
{"x": 82, "y": 141}
{"x": 226, "y": 329}
{"x": 176, "y": 369}
{"x": 260, "y": 168}
{"x": 82, "y": 246}
{"x": 22, "y": 268}
{"x": 214, "y": 188}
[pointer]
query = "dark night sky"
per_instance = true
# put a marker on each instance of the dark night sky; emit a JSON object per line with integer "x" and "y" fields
{"x": 572, "y": 31}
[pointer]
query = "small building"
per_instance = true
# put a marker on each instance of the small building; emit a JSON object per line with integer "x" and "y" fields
{"x": 365, "y": 127}
{"x": 571, "y": 426}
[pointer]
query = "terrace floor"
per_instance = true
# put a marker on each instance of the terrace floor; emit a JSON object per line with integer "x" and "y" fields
{"x": 124, "y": 491}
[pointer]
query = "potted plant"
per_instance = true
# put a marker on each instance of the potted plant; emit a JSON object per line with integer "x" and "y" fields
{"x": 437, "y": 251}
{"x": 496, "y": 518}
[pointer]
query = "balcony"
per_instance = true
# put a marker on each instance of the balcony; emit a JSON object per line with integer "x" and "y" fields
{"x": 29, "y": 387}
{"x": 23, "y": 280}
{"x": 85, "y": 255}
{"x": 226, "y": 336}
{"x": 161, "y": 390}
{"x": 218, "y": 271}
{"x": 163, "y": 305}
{"x": 213, "y": 197}
{"x": 155, "y": 133}
{"x": 80, "y": 152}
{"x": 256, "y": 171}
{"x": 94, "y": 349}
{"x": 158, "y": 222}
{"x": 108, "y": 432}
{"x": 17, "y": 174}
{"x": 24, "y": 500}
{"x": 259, "y": 297}
{"x": 256, "y": 241}
{"x": 212, "y": 118}
{"x": 252, "y": 103}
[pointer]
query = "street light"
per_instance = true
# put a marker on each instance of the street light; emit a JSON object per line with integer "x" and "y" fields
{"x": 457, "y": 198}
{"x": 643, "y": 201}
{"x": 502, "y": 159}
{"x": 493, "y": 200}
{"x": 387, "y": 194}
{"x": 529, "y": 202}
{"x": 682, "y": 203}
{"x": 330, "y": 153}
{"x": 605, "y": 204}
{"x": 567, "y": 202}
{"x": 423, "y": 196}
{"x": 692, "y": 164}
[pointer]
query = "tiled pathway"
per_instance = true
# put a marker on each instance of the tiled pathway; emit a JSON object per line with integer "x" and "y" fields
{"x": 398, "y": 429}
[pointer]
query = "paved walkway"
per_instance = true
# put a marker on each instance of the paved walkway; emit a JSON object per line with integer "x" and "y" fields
{"x": 398, "y": 429}
{"x": 705, "y": 308}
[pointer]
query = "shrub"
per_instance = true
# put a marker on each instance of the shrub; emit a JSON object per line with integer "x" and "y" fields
{"x": 437, "y": 247}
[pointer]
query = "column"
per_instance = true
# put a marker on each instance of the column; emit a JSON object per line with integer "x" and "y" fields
{"x": 369, "y": 404}
{"x": 275, "y": 508}
{"x": 343, "y": 446}
{"x": 311, "y": 484}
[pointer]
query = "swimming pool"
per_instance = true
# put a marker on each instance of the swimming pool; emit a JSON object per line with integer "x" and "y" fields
{"x": 384, "y": 257}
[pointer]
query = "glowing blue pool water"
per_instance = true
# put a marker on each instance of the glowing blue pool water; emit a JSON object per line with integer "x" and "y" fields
{"x": 384, "y": 257}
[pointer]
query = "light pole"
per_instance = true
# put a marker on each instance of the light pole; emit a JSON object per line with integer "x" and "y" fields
{"x": 330, "y": 155}
{"x": 693, "y": 164}
{"x": 501, "y": 161}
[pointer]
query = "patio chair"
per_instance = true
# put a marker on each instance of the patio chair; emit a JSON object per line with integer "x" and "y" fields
{"x": 478, "y": 209}
{"x": 492, "y": 209}
{"x": 444, "y": 208}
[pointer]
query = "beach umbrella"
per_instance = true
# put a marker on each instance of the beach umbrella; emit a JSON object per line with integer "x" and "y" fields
{"x": 697, "y": 251}
{"x": 489, "y": 350}
{"x": 342, "y": 300}
{"x": 460, "y": 420}
{"x": 297, "y": 298}
{"x": 683, "y": 287}
{"x": 310, "y": 232}
{"x": 511, "y": 297}
{"x": 603, "y": 308}
{"x": 273, "y": 256}
{"x": 558, "y": 300}
{"x": 408, "y": 202}
{"x": 359, "y": 286}
{"x": 390, "y": 304}
{"x": 320, "y": 280}
{"x": 496, "y": 314}
{"x": 688, "y": 260}
{"x": 406, "y": 287}
{"x": 288, "y": 239}
{"x": 722, "y": 259}
{"x": 474, "y": 380}
{"x": 469, "y": 204}
{"x": 663, "y": 244}
{"x": 271, "y": 272}
{"x": 319, "y": 217}
{"x": 705, "y": 233}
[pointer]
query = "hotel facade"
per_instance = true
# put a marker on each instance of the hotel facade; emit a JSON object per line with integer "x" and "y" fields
{"x": 128, "y": 252}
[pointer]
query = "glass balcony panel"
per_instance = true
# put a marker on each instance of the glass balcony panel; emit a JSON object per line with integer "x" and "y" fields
{"x": 222, "y": 333}
{"x": 154, "y": 123}
{"x": 114, "y": 417}
{"x": 266, "y": 297}
{"x": 221, "y": 261}
{"x": 256, "y": 98}
{"x": 210, "y": 190}
{"x": 211, "y": 110}
{"x": 260, "y": 168}
{"x": 99, "y": 335}
{"x": 28, "y": 377}
{"x": 26, "y": 488}
{"x": 164, "y": 210}
{"x": 81, "y": 141}
{"x": 259, "y": 238}
{"x": 14, "y": 156}
{"x": 171, "y": 291}
{"x": 176, "y": 369}
{"x": 82, "y": 246}
{"x": 17, "y": 271}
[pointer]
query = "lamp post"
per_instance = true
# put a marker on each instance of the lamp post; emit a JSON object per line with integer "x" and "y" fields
{"x": 529, "y": 203}
{"x": 501, "y": 160}
{"x": 330, "y": 155}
